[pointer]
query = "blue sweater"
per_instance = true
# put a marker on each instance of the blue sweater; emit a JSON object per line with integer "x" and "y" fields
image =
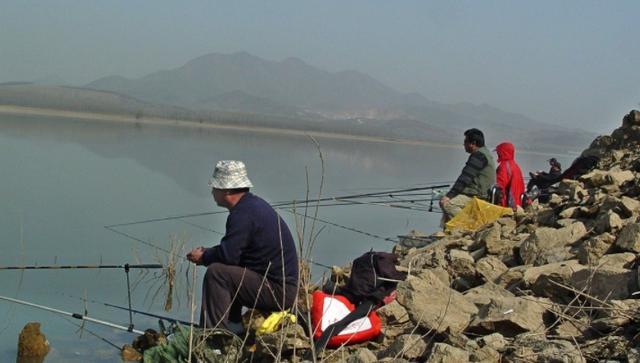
{"x": 257, "y": 238}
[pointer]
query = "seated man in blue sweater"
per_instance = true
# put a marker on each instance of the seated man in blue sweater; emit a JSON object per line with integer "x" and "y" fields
{"x": 255, "y": 264}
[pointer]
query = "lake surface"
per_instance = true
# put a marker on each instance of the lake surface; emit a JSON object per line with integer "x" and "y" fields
{"x": 64, "y": 180}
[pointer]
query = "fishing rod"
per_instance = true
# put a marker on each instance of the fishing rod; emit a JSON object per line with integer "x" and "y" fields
{"x": 355, "y": 196}
{"x": 283, "y": 204}
{"x": 129, "y": 329}
{"x": 74, "y": 267}
{"x": 126, "y": 267}
{"x": 135, "y": 311}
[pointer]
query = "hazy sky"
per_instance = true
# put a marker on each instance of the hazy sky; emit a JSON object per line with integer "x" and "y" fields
{"x": 574, "y": 63}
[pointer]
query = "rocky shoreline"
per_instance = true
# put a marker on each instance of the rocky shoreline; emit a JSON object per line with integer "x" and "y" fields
{"x": 558, "y": 282}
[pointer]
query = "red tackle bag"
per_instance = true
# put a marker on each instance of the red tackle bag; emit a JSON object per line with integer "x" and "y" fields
{"x": 328, "y": 309}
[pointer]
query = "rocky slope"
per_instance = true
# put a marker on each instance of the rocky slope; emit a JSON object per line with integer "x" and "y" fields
{"x": 555, "y": 283}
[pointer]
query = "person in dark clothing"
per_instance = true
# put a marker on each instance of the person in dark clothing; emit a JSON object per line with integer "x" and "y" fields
{"x": 255, "y": 264}
{"x": 475, "y": 180}
{"x": 539, "y": 177}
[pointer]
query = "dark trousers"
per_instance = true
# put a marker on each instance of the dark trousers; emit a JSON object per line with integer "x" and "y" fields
{"x": 226, "y": 289}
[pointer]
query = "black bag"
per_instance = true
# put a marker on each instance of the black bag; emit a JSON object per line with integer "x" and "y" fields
{"x": 373, "y": 276}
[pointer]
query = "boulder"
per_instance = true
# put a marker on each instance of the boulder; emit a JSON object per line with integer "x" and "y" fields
{"x": 631, "y": 119}
{"x": 509, "y": 316}
{"x": 573, "y": 328}
{"x": 606, "y": 348}
{"x": 485, "y": 354}
{"x": 490, "y": 268}
{"x": 629, "y": 206}
{"x": 536, "y": 348}
{"x": 444, "y": 353}
{"x": 512, "y": 277}
{"x": 294, "y": 338}
{"x": 362, "y": 355}
{"x": 625, "y": 207}
{"x": 595, "y": 178}
{"x": 540, "y": 246}
{"x": 433, "y": 305}
{"x": 408, "y": 346}
{"x": 619, "y": 260}
{"x": 546, "y": 217}
{"x": 620, "y": 177}
{"x": 495, "y": 341}
{"x": 629, "y": 238}
{"x": 393, "y": 314}
{"x": 622, "y": 312}
{"x": 608, "y": 221}
{"x": 605, "y": 282}
{"x": 507, "y": 225}
{"x": 483, "y": 294}
{"x": 590, "y": 251}
{"x": 563, "y": 269}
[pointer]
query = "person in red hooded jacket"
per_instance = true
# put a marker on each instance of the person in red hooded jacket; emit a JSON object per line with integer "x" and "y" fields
{"x": 509, "y": 178}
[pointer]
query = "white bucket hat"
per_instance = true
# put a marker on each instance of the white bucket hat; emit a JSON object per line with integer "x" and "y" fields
{"x": 230, "y": 174}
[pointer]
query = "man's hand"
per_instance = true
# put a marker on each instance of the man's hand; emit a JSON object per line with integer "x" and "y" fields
{"x": 444, "y": 201}
{"x": 195, "y": 255}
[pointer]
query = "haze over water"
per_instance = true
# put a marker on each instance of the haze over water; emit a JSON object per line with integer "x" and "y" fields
{"x": 66, "y": 179}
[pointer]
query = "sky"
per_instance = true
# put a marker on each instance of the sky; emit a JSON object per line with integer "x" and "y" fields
{"x": 571, "y": 63}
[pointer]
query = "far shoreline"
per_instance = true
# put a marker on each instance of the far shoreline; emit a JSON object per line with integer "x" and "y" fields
{"x": 158, "y": 121}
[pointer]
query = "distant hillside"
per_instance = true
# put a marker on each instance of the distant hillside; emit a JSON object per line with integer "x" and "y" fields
{"x": 105, "y": 102}
{"x": 243, "y": 82}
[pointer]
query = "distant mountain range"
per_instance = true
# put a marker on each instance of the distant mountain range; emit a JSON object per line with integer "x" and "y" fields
{"x": 293, "y": 94}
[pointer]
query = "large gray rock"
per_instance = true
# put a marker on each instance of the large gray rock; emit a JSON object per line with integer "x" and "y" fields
{"x": 619, "y": 177}
{"x": 590, "y": 251}
{"x": 444, "y": 353}
{"x": 362, "y": 355}
{"x": 485, "y": 355}
{"x": 393, "y": 313}
{"x": 484, "y": 294}
{"x": 606, "y": 282}
{"x": 490, "y": 268}
{"x": 608, "y": 221}
{"x": 408, "y": 346}
{"x": 538, "y": 349}
{"x": 625, "y": 207}
{"x": 433, "y": 305}
{"x": 564, "y": 269}
{"x": 595, "y": 178}
{"x": 619, "y": 260}
{"x": 629, "y": 238}
{"x": 631, "y": 119}
{"x": 542, "y": 245}
{"x": 509, "y": 317}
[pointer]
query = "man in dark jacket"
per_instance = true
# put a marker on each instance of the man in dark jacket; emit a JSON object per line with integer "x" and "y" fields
{"x": 475, "y": 180}
{"x": 255, "y": 264}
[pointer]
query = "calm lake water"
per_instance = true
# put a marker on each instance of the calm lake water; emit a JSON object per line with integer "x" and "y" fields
{"x": 64, "y": 180}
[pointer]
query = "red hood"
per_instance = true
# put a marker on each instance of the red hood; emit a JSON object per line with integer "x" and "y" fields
{"x": 506, "y": 151}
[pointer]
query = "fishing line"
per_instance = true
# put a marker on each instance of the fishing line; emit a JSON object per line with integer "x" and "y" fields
{"x": 149, "y": 244}
{"x": 285, "y": 204}
{"x": 387, "y": 239}
{"x": 201, "y": 227}
{"x": 94, "y": 334}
